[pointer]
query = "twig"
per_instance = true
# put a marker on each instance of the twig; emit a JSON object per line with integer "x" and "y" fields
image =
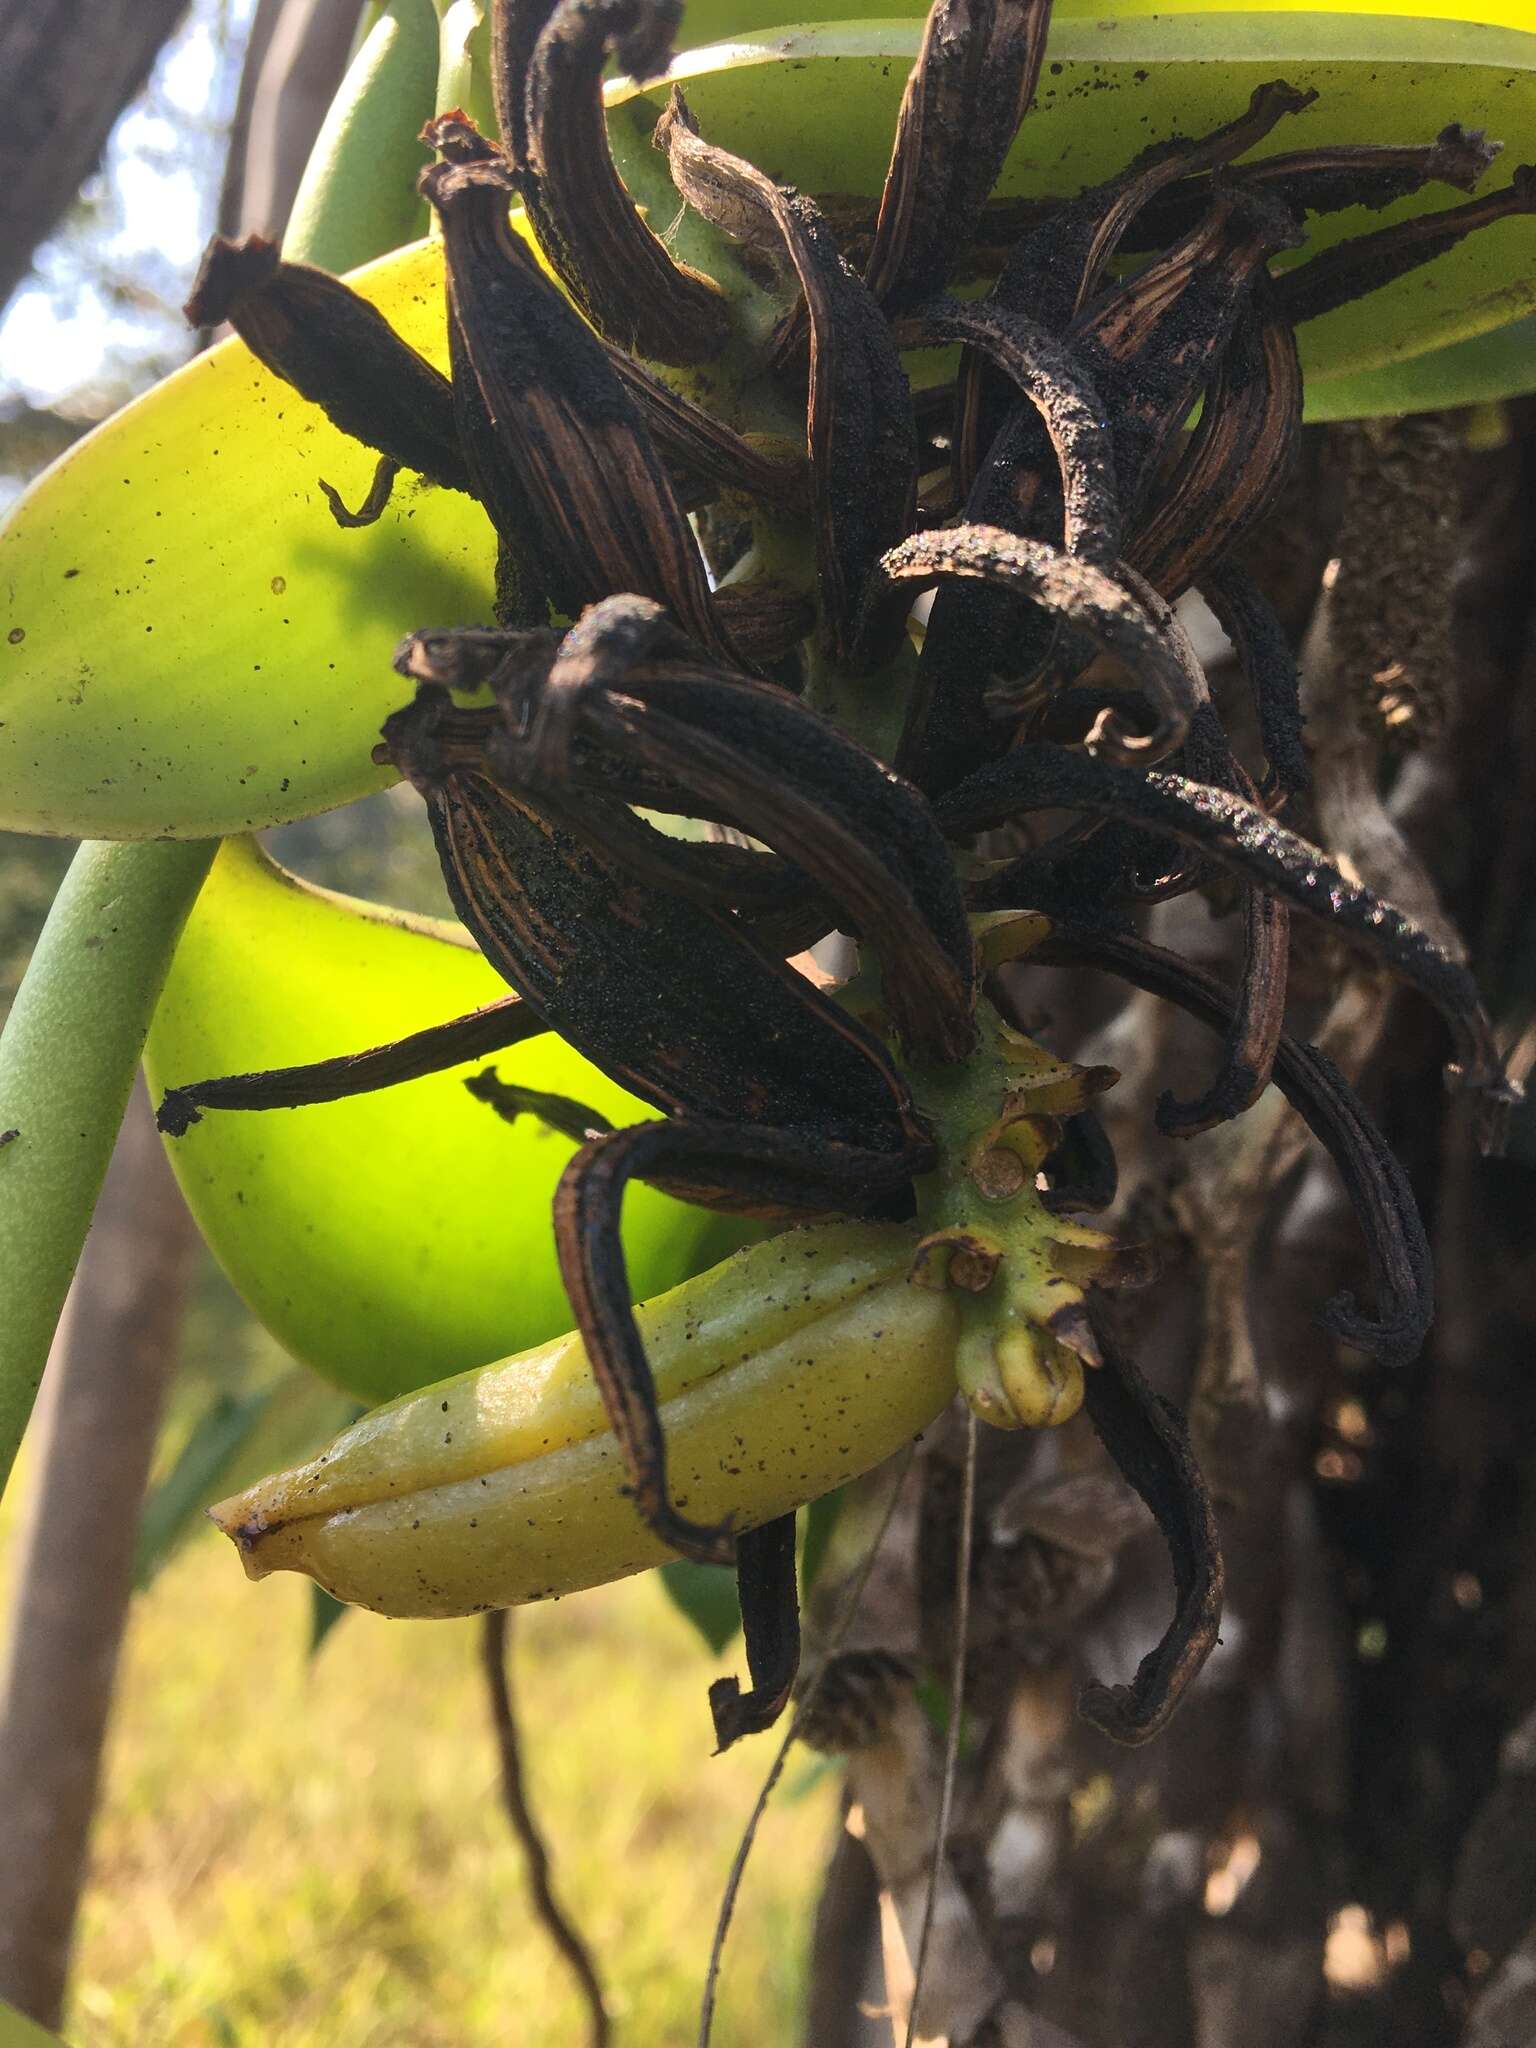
{"x": 776, "y": 1768}
{"x": 956, "y": 1710}
{"x": 493, "y": 1657}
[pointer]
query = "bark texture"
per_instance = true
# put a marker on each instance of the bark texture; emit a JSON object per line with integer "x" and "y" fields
{"x": 94, "y": 1441}
{"x": 1331, "y": 1846}
{"x": 67, "y": 70}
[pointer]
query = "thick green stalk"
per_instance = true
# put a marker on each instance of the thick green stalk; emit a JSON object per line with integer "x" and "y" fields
{"x": 67, "y": 1060}
{"x": 357, "y": 198}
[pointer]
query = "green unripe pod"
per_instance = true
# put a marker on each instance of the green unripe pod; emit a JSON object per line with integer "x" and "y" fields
{"x": 780, "y": 1374}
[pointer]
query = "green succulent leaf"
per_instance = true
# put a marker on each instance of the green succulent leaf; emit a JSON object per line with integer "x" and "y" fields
{"x": 357, "y": 197}
{"x": 1489, "y": 367}
{"x": 400, "y": 1236}
{"x": 174, "y": 1506}
{"x": 815, "y": 106}
{"x": 196, "y": 648}
{"x": 324, "y": 1613}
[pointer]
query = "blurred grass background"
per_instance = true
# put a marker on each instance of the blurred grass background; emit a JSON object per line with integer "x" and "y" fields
{"x": 311, "y": 1853}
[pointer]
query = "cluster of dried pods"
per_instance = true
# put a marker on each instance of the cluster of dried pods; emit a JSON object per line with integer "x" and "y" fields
{"x": 1052, "y": 498}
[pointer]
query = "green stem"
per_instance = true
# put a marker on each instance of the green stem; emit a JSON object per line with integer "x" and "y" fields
{"x": 357, "y": 198}
{"x": 67, "y": 1059}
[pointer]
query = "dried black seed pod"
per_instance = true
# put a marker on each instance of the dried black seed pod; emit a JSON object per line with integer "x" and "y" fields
{"x": 614, "y": 696}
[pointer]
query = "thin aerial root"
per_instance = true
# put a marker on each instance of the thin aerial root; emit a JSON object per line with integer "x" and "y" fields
{"x": 962, "y": 1623}
{"x": 770, "y": 1623}
{"x": 440, "y": 1046}
{"x": 371, "y": 510}
{"x": 337, "y": 351}
{"x": 803, "y": 1707}
{"x": 1351, "y": 269}
{"x": 1246, "y": 839}
{"x": 1147, "y": 1440}
{"x": 514, "y": 1796}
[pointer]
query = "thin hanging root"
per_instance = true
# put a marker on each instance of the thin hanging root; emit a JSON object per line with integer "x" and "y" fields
{"x": 1351, "y": 269}
{"x": 1237, "y": 459}
{"x": 1402, "y": 1266}
{"x": 1328, "y": 180}
{"x": 1093, "y": 602}
{"x": 619, "y": 274}
{"x": 1248, "y": 840}
{"x": 1042, "y": 371}
{"x": 770, "y": 1624}
{"x": 494, "y": 1648}
{"x": 1248, "y": 1055}
{"x": 962, "y": 1624}
{"x": 804, "y": 1706}
{"x": 969, "y": 90}
{"x": 558, "y": 1112}
{"x": 335, "y": 350}
{"x": 440, "y": 1046}
{"x": 859, "y": 425}
{"x": 1149, "y": 1445}
{"x": 1264, "y": 654}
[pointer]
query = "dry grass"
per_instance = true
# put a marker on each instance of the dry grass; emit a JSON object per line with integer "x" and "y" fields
{"x": 293, "y": 1855}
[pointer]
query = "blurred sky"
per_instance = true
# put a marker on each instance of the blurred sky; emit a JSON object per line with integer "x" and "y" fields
{"x": 100, "y": 317}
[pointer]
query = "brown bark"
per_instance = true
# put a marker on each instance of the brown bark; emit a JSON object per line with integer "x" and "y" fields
{"x": 295, "y": 59}
{"x": 1331, "y": 1845}
{"x": 94, "y": 1440}
{"x": 67, "y": 70}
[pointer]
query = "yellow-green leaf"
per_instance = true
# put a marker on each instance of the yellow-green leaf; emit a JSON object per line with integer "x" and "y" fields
{"x": 404, "y": 1235}
{"x": 193, "y": 646}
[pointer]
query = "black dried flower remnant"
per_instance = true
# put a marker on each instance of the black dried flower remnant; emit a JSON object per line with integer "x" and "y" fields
{"x": 1050, "y": 499}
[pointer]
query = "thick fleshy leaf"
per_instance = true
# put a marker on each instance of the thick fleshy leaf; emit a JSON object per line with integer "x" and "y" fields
{"x": 816, "y": 106}
{"x": 1491, "y": 366}
{"x": 192, "y": 645}
{"x": 711, "y": 21}
{"x": 402, "y": 1235}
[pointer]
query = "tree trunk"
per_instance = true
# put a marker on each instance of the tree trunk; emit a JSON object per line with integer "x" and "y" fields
{"x": 100, "y": 1408}
{"x": 294, "y": 62}
{"x": 94, "y": 1439}
{"x": 67, "y": 70}
{"x": 1334, "y": 1843}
